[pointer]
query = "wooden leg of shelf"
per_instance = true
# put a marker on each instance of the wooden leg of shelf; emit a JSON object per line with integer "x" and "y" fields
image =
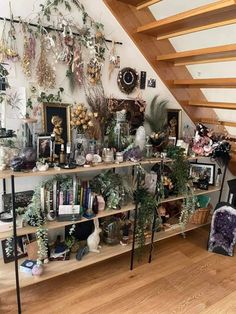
{"x": 15, "y": 244}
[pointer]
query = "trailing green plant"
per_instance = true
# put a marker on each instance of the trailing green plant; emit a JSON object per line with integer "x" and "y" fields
{"x": 50, "y": 97}
{"x": 147, "y": 204}
{"x": 179, "y": 169}
{"x": 188, "y": 207}
{"x": 157, "y": 119}
{"x": 111, "y": 186}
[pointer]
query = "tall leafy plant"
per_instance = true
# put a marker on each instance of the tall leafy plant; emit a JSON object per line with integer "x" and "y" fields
{"x": 157, "y": 119}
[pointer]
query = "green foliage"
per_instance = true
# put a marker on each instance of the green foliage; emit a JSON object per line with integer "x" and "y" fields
{"x": 157, "y": 118}
{"x": 188, "y": 207}
{"x": 180, "y": 169}
{"x": 147, "y": 204}
{"x": 51, "y": 97}
{"x": 111, "y": 185}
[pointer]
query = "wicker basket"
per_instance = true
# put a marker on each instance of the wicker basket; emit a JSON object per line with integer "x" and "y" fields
{"x": 200, "y": 216}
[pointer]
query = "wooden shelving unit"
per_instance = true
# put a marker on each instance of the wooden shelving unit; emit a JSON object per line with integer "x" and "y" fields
{"x": 215, "y": 105}
{"x": 54, "y": 269}
{"x": 200, "y": 56}
{"x": 5, "y": 174}
{"x": 209, "y": 16}
{"x": 57, "y": 224}
{"x": 206, "y": 83}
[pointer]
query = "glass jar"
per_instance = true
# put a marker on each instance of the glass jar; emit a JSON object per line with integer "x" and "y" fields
{"x": 121, "y": 131}
{"x": 29, "y": 153}
{"x": 148, "y": 151}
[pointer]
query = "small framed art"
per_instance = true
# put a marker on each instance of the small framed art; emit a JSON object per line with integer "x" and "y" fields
{"x": 174, "y": 121}
{"x": 43, "y": 147}
{"x": 56, "y": 119}
{"x": 197, "y": 170}
{"x": 22, "y": 242}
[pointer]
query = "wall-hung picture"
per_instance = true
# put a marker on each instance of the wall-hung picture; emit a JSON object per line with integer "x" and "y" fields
{"x": 56, "y": 119}
{"x": 43, "y": 147}
{"x": 151, "y": 83}
{"x": 198, "y": 170}
{"x": 174, "y": 121}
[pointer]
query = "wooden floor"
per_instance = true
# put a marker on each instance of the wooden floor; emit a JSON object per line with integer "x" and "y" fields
{"x": 183, "y": 278}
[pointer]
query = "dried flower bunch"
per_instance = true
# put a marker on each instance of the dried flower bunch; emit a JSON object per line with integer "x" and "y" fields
{"x": 82, "y": 119}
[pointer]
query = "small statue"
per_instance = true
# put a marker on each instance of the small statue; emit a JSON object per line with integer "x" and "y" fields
{"x": 164, "y": 216}
{"x": 173, "y": 125}
{"x": 57, "y": 130}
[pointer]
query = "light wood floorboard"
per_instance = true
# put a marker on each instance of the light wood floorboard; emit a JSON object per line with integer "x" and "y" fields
{"x": 183, "y": 278}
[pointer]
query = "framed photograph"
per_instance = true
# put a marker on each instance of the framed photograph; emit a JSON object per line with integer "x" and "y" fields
{"x": 174, "y": 121}
{"x": 22, "y": 242}
{"x": 22, "y": 200}
{"x": 198, "y": 169}
{"x": 43, "y": 147}
{"x": 56, "y": 119}
{"x": 172, "y": 140}
{"x": 183, "y": 145}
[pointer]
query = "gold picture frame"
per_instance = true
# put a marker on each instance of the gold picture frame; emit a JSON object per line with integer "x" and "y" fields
{"x": 174, "y": 121}
{"x": 63, "y": 111}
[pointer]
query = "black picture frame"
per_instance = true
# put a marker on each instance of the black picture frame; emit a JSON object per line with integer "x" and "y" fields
{"x": 198, "y": 168}
{"x": 22, "y": 241}
{"x": 43, "y": 147}
{"x": 61, "y": 110}
{"x": 22, "y": 199}
{"x": 175, "y": 129}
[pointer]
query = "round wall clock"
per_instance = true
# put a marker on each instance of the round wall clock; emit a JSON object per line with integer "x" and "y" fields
{"x": 127, "y": 80}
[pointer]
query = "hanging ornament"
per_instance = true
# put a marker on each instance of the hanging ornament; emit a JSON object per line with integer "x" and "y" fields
{"x": 94, "y": 68}
{"x": 112, "y": 60}
{"x": 127, "y": 80}
{"x": 45, "y": 73}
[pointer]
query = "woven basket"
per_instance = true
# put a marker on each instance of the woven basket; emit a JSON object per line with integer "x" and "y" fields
{"x": 200, "y": 216}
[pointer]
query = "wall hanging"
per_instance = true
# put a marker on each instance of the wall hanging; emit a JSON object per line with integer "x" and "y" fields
{"x": 127, "y": 80}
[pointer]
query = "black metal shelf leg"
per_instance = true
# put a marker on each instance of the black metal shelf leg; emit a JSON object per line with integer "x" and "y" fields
{"x": 15, "y": 244}
{"x": 153, "y": 233}
{"x": 223, "y": 181}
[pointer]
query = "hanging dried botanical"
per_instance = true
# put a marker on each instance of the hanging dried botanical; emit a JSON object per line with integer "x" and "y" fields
{"x": 94, "y": 68}
{"x": 112, "y": 60}
{"x": 45, "y": 74}
{"x": 77, "y": 66}
{"x": 8, "y": 47}
{"x": 29, "y": 51}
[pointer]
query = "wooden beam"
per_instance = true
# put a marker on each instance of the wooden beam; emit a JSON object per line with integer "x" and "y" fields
{"x": 202, "y": 18}
{"x": 215, "y": 105}
{"x": 147, "y": 3}
{"x": 206, "y": 83}
{"x": 204, "y": 55}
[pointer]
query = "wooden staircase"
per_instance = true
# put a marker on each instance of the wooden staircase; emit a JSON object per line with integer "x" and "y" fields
{"x": 152, "y": 38}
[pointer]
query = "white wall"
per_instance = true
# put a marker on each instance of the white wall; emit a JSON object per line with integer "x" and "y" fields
{"x": 209, "y": 38}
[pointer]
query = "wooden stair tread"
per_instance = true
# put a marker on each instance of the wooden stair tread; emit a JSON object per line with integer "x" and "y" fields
{"x": 217, "y": 122}
{"x": 140, "y": 4}
{"x": 216, "y": 105}
{"x": 206, "y": 83}
{"x": 205, "y": 17}
{"x": 204, "y": 55}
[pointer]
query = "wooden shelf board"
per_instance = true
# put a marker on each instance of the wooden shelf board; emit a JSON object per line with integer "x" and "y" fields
{"x": 202, "y": 18}
{"x": 60, "y": 224}
{"x": 216, "y": 105}
{"x": 56, "y": 224}
{"x": 58, "y": 268}
{"x": 52, "y": 172}
{"x": 204, "y": 55}
{"x": 211, "y": 189}
{"x": 206, "y": 83}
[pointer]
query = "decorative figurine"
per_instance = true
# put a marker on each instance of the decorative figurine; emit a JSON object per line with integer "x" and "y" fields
{"x": 58, "y": 129}
{"x": 94, "y": 238}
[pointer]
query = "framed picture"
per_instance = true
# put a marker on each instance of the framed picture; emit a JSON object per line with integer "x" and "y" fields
{"x": 43, "y": 147}
{"x": 22, "y": 242}
{"x": 22, "y": 200}
{"x": 174, "y": 121}
{"x": 56, "y": 119}
{"x": 183, "y": 145}
{"x": 198, "y": 169}
{"x": 172, "y": 140}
